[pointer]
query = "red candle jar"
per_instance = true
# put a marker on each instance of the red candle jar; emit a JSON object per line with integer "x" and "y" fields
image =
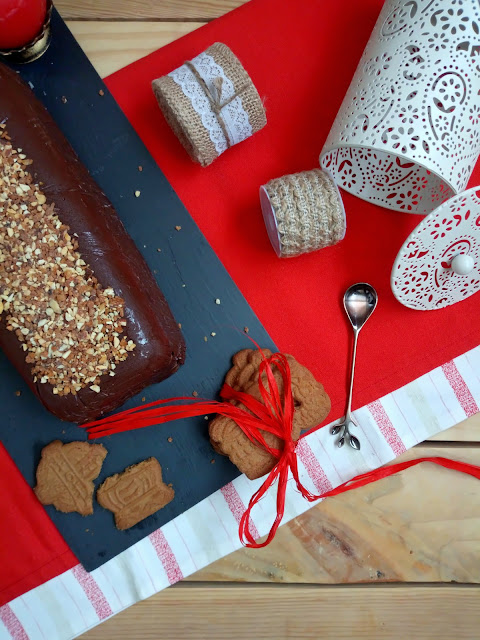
{"x": 24, "y": 28}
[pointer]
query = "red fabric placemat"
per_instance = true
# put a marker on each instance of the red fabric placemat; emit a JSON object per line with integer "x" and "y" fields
{"x": 301, "y": 56}
{"x": 31, "y": 549}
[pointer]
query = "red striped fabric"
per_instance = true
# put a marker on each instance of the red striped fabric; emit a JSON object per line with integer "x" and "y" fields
{"x": 386, "y": 427}
{"x": 93, "y": 592}
{"x": 313, "y": 467}
{"x": 166, "y": 556}
{"x": 12, "y": 623}
{"x": 462, "y": 392}
{"x": 236, "y": 505}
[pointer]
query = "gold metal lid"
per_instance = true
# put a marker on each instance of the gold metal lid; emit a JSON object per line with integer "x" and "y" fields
{"x": 34, "y": 49}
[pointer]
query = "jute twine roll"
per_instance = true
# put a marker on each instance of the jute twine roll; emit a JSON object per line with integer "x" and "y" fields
{"x": 210, "y": 103}
{"x": 303, "y": 212}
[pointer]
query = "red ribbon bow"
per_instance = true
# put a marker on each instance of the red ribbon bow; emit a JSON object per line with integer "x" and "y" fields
{"x": 274, "y": 416}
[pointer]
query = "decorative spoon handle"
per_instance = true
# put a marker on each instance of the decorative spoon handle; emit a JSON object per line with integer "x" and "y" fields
{"x": 359, "y": 301}
{"x": 348, "y": 414}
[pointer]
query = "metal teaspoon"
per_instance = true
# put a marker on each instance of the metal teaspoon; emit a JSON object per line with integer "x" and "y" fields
{"x": 359, "y": 301}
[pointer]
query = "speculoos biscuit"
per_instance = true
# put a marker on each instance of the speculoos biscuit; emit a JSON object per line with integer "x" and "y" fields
{"x": 135, "y": 494}
{"x": 65, "y": 475}
{"x": 311, "y": 402}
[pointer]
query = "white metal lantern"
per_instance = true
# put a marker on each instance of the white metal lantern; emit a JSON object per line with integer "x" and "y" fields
{"x": 407, "y": 137}
{"x": 407, "y": 134}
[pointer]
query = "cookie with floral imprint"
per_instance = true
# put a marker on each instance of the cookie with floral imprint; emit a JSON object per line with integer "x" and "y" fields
{"x": 311, "y": 407}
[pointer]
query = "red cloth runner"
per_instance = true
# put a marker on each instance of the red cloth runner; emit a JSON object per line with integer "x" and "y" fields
{"x": 301, "y": 56}
{"x": 31, "y": 549}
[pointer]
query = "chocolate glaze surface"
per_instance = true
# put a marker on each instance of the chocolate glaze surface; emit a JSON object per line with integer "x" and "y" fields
{"x": 106, "y": 247}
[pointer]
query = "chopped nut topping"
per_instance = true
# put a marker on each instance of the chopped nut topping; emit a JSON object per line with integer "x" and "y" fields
{"x": 69, "y": 326}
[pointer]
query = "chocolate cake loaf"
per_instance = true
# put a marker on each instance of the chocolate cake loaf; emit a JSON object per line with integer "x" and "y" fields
{"x": 81, "y": 316}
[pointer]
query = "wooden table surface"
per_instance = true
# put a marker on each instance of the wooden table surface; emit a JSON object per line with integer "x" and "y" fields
{"x": 396, "y": 559}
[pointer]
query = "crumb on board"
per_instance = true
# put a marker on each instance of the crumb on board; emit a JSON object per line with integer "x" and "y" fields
{"x": 179, "y": 325}
{"x": 213, "y": 334}
{"x": 155, "y": 271}
{"x": 137, "y": 193}
{"x": 178, "y": 227}
{"x": 212, "y": 461}
{"x": 159, "y": 250}
{"x": 246, "y": 329}
{"x": 140, "y": 168}
{"x": 170, "y": 484}
{"x": 64, "y": 100}
{"x": 205, "y": 338}
{"x": 18, "y": 393}
{"x": 63, "y": 432}
{"x": 101, "y": 92}
{"x": 170, "y": 439}
{"x": 194, "y": 394}
{"x": 87, "y": 530}
{"x": 205, "y": 417}
{"x": 143, "y": 399}
{"x": 183, "y": 286}
{"x": 217, "y": 300}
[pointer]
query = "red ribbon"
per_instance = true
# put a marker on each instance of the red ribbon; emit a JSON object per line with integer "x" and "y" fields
{"x": 273, "y": 416}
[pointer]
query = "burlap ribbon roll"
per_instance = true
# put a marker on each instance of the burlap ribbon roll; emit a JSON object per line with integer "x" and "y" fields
{"x": 303, "y": 212}
{"x": 210, "y": 103}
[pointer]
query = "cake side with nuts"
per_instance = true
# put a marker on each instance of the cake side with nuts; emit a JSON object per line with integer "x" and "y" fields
{"x": 90, "y": 231}
{"x": 70, "y": 327}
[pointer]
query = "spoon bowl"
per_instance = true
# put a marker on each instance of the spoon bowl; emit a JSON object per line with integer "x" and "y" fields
{"x": 360, "y": 301}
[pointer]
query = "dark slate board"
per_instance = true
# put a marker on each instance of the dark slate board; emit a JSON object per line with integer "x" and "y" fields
{"x": 189, "y": 274}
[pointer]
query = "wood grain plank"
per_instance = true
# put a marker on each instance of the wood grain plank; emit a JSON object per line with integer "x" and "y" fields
{"x": 112, "y": 45}
{"x": 178, "y": 10}
{"x": 299, "y": 613}
{"x": 422, "y": 525}
{"x": 466, "y": 431}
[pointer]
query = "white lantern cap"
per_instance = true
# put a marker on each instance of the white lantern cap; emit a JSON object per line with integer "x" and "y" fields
{"x": 439, "y": 263}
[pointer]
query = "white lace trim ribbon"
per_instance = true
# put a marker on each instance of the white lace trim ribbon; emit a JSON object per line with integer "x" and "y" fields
{"x": 234, "y": 116}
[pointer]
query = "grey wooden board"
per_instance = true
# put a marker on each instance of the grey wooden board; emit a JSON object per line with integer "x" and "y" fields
{"x": 191, "y": 277}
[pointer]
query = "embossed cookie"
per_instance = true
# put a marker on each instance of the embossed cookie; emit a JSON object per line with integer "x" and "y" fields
{"x": 136, "y": 493}
{"x": 65, "y": 474}
{"x": 312, "y": 406}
